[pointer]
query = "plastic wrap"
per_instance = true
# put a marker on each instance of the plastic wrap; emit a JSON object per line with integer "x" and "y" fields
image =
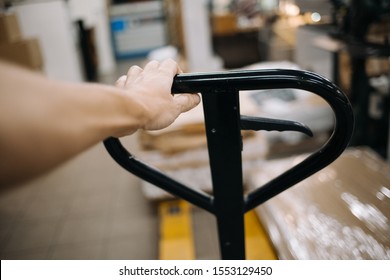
{"x": 341, "y": 212}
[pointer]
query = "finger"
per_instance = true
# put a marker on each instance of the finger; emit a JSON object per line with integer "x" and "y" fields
{"x": 187, "y": 101}
{"x": 121, "y": 81}
{"x": 170, "y": 66}
{"x": 152, "y": 65}
{"x": 133, "y": 73}
{"x": 179, "y": 71}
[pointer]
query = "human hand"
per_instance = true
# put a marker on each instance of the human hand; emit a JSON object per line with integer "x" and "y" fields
{"x": 151, "y": 89}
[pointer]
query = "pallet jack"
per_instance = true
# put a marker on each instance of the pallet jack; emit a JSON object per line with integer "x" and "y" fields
{"x": 223, "y": 122}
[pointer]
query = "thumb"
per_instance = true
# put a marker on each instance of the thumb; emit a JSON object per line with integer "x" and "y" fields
{"x": 186, "y": 101}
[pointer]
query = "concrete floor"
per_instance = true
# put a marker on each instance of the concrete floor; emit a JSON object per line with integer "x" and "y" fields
{"x": 88, "y": 208}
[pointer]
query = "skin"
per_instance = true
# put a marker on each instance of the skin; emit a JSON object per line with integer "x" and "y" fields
{"x": 46, "y": 122}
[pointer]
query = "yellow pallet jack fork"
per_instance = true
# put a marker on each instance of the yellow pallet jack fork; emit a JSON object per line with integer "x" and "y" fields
{"x": 176, "y": 241}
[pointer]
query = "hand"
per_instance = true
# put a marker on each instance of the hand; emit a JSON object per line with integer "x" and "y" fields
{"x": 151, "y": 88}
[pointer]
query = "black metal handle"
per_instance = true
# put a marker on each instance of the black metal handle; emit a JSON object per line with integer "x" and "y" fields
{"x": 225, "y": 82}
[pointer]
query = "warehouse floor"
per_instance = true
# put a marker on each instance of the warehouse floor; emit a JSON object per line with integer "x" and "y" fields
{"x": 89, "y": 208}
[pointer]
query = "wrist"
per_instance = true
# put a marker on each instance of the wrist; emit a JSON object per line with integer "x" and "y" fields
{"x": 127, "y": 113}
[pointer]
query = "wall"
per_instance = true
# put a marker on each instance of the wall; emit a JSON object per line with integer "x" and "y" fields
{"x": 50, "y": 22}
{"x": 197, "y": 36}
{"x": 94, "y": 13}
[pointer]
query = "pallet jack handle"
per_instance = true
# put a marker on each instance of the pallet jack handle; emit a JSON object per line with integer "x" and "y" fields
{"x": 223, "y": 122}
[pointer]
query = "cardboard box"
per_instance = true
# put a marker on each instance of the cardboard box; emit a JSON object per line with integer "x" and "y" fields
{"x": 9, "y": 28}
{"x": 26, "y": 52}
{"x": 341, "y": 212}
{"x": 224, "y": 24}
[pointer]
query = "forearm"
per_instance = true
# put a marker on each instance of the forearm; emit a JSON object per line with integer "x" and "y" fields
{"x": 44, "y": 122}
{"x": 52, "y": 121}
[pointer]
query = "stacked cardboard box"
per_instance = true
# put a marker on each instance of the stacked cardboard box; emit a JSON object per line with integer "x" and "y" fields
{"x": 14, "y": 47}
{"x": 224, "y": 24}
{"x": 341, "y": 212}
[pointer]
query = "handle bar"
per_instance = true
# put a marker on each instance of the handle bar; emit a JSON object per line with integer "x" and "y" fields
{"x": 218, "y": 82}
{"x": 223, "y": 130}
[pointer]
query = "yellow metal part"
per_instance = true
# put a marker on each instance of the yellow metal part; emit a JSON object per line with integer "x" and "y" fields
{"x": 257, "y": 243}
{"x": 176, "y": 240}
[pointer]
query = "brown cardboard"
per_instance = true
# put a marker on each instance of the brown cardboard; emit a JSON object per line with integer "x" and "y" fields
{"x": 224, "y": 24}
{"x": 191, "y": 166}
{"x": 9, "y": 28}
{"x": 178, "y": 141}
{"x": 341, "y": 212}
{"x": 24, "y": 52}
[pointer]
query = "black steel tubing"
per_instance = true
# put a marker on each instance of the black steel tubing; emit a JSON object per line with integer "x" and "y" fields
{"x": 222, "y": 115}
{"x": 155, "y": 177}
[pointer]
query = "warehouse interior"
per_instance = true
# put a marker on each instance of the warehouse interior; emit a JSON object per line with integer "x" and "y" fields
{"x": 90, "y": 208}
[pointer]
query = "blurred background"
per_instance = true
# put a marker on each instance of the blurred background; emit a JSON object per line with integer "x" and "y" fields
{"x": 90, "y": 208}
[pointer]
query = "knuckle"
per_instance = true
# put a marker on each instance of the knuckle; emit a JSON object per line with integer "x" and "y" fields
{"x": 134, "y": 70}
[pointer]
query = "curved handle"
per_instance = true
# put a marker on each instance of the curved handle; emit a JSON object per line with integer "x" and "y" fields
{"x": 251, "y": 80}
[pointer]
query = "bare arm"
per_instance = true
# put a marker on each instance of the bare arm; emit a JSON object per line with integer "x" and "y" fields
{"x": 44, "y": 122}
